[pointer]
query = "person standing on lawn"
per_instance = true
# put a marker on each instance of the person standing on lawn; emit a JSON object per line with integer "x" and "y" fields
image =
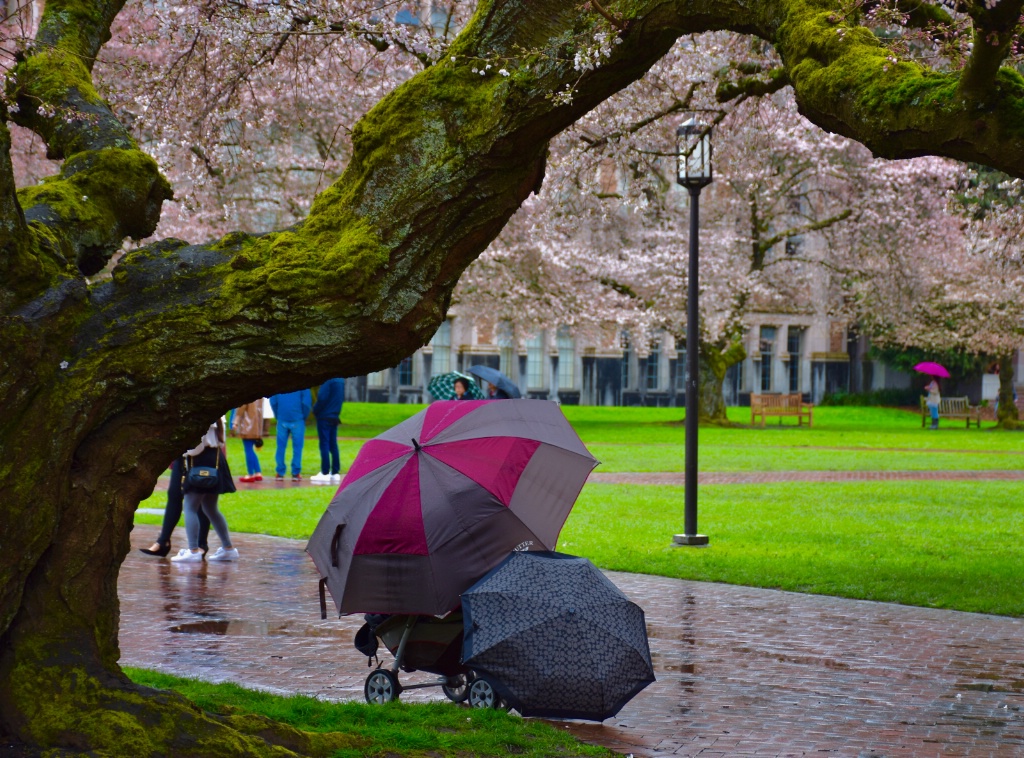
{"x": 247, "y": 423}
{"x": 290, "y": 410}
{"x": 327, "y": 410}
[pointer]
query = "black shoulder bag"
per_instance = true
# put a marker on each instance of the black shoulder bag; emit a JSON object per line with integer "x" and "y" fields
{"x": 203, "y": 478}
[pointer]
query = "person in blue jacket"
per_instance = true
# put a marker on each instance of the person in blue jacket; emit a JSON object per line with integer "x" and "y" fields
{"x": 290, "y": 410}
{"x": 327, "y": 410}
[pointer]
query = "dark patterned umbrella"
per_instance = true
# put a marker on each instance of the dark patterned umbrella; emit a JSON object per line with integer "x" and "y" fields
{"x": 442, "y": 387}
{"x": 433, "y": 504}
{"x": 555, "y": 637}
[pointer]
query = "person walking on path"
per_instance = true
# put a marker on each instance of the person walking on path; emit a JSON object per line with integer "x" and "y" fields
{"x": 172, "y": 514}
{"x": 461, "y": 389}
{"x": 209, "y": 452}
{"x": 290, "y": 410}
{"x": 327, "y": 410}
{"x": 933, "y": 400}
{"x": 248, "y": 424}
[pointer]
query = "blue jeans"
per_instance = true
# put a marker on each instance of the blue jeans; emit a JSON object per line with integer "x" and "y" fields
{"x": 297, "y": 430}
{"x": 252, "y": 461}
{"x": 327, "y": 433}
{"x": 935, "y": 412}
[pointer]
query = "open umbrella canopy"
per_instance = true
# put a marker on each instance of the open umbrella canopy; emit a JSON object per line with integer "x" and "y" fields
{"x": 496, "y": 378}
{"x": 555, "y": 637}
{"x": 431, "y": 505}
{"x": 932, "y": 369}
{"x": 442, "y": 387}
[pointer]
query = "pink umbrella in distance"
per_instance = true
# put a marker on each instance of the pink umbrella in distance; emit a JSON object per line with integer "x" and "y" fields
{"x": 434, "y": 503}
{"x": 932, "y": 369}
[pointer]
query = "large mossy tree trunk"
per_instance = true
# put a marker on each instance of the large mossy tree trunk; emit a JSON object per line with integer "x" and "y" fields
{"x": 102, "y": 383}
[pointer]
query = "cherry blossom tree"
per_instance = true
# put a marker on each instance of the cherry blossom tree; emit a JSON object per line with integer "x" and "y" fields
{"x": 938, "y": 274}
{"x": 103, "y": 380}
{"x": 607, "y": 236}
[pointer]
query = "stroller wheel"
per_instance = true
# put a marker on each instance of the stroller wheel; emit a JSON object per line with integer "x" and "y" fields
{"x": 483, "y": 695}
{"x": 456, "y": 688}
{"x": 381, "y": 687}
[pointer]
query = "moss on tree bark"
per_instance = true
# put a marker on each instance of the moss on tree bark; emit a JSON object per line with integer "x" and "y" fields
{"x": 102, "y": 383}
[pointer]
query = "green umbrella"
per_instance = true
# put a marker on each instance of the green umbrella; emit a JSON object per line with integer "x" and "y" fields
{"x": 442, "y": 387}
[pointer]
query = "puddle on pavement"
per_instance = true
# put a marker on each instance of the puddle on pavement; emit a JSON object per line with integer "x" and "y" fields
{"x": 243, "y": 628}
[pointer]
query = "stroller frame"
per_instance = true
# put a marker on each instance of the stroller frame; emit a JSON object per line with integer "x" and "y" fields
{"x": 383, "y": 685}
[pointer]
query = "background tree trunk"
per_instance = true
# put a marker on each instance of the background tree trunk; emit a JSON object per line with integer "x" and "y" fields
{"x": 1007, "y": 415}
{"x": 715, "y": 360}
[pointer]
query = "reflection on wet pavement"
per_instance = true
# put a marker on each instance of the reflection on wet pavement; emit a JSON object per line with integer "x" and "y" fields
{"x": 740, "y": 670}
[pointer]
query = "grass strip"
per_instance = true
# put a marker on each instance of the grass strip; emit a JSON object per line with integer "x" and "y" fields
{"x": 409, "y": 730}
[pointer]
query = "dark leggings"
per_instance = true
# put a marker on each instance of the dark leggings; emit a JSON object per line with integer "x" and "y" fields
{"x": 172, "y": 511}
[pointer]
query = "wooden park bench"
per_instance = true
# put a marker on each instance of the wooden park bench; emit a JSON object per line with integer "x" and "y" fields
{"x": 781, "y": 405}
{"x": 953, "y": 407}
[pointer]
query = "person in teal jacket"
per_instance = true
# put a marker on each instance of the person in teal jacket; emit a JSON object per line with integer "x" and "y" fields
{"x": 290, "y": 410}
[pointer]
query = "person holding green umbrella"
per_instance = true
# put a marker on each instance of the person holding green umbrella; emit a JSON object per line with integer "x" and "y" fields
{"x": 442, "y": 387}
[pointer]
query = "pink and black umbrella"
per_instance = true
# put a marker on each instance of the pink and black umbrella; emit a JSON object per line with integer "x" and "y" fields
{"x": 434, "y": 503}
{"x": 932, "y": 369}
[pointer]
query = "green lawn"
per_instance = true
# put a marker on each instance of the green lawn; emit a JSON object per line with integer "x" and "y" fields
{"x": 943, "y": 544}
{"x": 950, "y": 545}
{"x": 652, "y": 439}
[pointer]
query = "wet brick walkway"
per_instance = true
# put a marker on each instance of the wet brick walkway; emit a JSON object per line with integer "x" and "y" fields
{"x": 741, "y": 671}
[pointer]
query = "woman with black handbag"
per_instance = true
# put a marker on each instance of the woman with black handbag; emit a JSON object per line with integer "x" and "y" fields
{"x": 202, "y": 487}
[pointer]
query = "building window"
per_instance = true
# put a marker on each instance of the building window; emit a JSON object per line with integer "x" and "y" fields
{"x": 681, "y": 370}
{"x": 535, "y": 361}
{"x": 405, "y": 372}
{"x": 794, "y": 244}
{"x": 627, "y": 354}
{"x": 767, "y": 356}
{"x": 506, "y": 349}
{"x": 794, "y": 346}
{"x": 566, "y": 359}
{"x": 651, "y": 380}
{"x": 442, "y": 343}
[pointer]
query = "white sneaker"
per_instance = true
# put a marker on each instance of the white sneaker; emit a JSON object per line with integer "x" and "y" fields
{"x": 224, "y": 555}
{"x": 187, "y": 556}
{"x": 335, "y": 478}
{"x": 320, "y": 479}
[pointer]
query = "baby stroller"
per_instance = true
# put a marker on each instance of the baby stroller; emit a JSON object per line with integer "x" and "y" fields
{"x": 418, "y": 643}
{"x": 422, "y": 643}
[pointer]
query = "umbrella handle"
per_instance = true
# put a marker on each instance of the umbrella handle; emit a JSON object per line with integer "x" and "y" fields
{"x": 334, "y": 546}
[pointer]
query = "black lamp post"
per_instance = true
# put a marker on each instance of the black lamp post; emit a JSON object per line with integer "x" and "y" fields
{"x": 693, "y": 151}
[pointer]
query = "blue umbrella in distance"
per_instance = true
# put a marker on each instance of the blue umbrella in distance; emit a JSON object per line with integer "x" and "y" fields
{"x": 496, "y": 378}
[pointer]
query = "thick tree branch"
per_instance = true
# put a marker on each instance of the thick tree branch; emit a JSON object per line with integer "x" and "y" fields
{"x": 107, "y": 188}
{"x": 995, "y": 30}
{"x": 847, "y": 82}
{"x": 12, "y": 220}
